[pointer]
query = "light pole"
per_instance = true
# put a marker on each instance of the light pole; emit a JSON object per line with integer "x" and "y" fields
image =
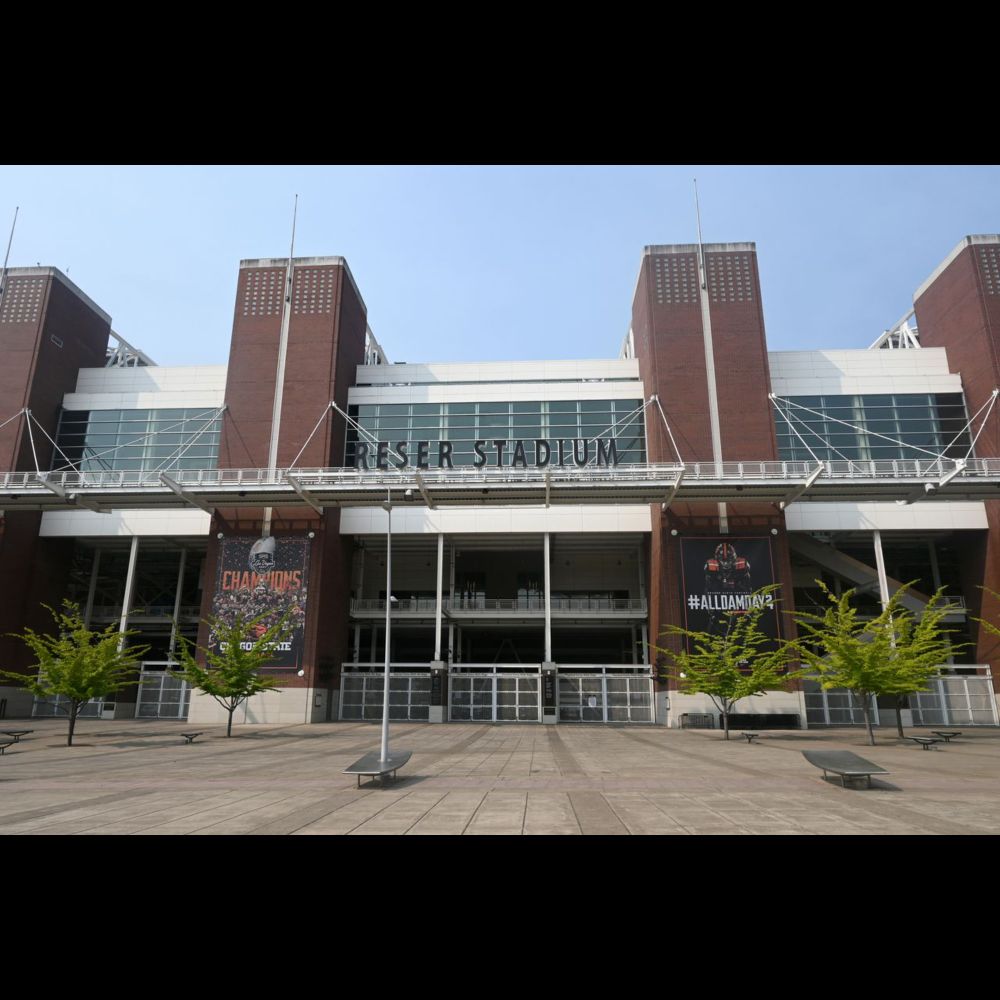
{"x": 387, "y": 506}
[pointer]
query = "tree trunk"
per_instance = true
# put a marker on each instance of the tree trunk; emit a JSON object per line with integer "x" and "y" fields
{"x": 74, "y": 707}
{"x": 725, "y": 721}
{"x": 229, "y": 728}
{"x": 899, "y": 715}
{"x": 866, "y": 708}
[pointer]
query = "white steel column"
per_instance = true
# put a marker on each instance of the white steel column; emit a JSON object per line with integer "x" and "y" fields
{"x": 129, "y": 587}
{"x": 357, "y": 643}
{"x": 635, "y": 655}
{"x": 437, "y": 610}
{"x": 935, "y": 569}
{"x": 645, "y": 644}
{"x": 451, "y": 604}
{"x": 92, "y": 589}
{"x": 177, "y": 604}
{"x": 548, "y": 599}
{"x": 883, "y": 583}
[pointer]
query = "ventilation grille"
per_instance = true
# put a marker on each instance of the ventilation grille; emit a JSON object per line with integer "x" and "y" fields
{"x": 262, "y": 292}
{"x": 730, "y": 277}
{"x": 22, "y": 300}
{"x": 989, "y": 266}
{"x": 676, "y": 277}
{"x": 312, "y": 292}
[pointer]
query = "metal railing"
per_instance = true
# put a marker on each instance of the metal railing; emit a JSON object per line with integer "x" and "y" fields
{"x": 766, "y": 471}
{"x": 504, "y": 605}
{"x": 145, "y": 611}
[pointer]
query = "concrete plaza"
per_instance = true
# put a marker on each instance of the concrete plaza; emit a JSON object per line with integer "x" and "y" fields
{"x": 138, "y": 777}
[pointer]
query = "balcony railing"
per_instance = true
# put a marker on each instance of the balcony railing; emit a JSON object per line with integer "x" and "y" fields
{"x": 145, "y": 611}
{"x": 515, "y": 606}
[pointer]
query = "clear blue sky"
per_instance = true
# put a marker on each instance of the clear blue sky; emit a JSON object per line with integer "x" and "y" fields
{"x": 492, "y": 263}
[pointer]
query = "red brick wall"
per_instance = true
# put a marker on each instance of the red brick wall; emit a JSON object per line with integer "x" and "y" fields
{"x": 958, "y": 312}
{"x": 670, "y": 348}
{"x": 37, "y": 372}
{"x": 326, "y": 337}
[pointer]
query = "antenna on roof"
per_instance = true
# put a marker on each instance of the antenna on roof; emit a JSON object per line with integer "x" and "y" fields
{"x": 701, "y": 250}
{"x": 3, "y": 272}
{"x": 279, "y": 378}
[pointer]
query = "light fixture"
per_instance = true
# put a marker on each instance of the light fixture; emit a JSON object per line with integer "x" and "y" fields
{"x": 312, "y": 534}
{"x": 774, "y": 531}
{"x": 674, "y": 532}
{"x": 220, "y": 536}
{"x": 302, "y": 673}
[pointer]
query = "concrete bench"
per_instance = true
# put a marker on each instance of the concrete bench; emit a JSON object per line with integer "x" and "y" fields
{"x": 925, "y": 741}
{"x": 372, "y": 765}
{"x": 16, "y": 733}
{"x": 946, "y": 736}
{"x": 843, "y": 762}
{"x": 190, "y": 737}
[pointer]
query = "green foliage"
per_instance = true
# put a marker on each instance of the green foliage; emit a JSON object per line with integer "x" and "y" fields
{"x": 895, "y": 653}
{"x": 77, "y": 662}
{"x": 232, "y": 668}
{"x": 739, "y": 662}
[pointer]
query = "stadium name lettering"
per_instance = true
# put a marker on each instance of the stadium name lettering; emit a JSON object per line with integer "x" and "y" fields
{"x": 234, "y": 579}
{"x": 538, "y": 453}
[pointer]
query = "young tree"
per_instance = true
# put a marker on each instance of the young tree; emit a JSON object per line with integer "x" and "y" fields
{"x": 78, "y": 663}
{"x": 741, "y": 661}
{"x": 895, "y": 653}
{"x": 234, "y": 661}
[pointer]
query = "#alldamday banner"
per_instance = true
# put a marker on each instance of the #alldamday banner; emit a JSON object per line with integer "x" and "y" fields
{"x": 265, "y": 577}
{"x": 720, "y": 575}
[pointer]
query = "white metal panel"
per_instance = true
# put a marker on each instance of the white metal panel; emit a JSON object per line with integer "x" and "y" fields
{"x": 957, "y": 516}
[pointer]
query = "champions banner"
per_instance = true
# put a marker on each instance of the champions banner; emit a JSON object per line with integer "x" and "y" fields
{"x": 264, "y": 577}
{"x": 720, "y": 575}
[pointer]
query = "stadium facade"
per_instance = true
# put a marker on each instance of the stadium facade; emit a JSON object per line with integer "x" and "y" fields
{"x": 548, "y": 519}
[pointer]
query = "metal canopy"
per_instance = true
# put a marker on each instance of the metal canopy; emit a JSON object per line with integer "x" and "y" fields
{"x": 902, "y": 480}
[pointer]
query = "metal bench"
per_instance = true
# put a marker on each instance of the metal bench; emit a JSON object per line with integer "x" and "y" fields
{"x": 372, "y": 765}
{"x": 16, "y": 733}
{"x": 3, "y": 746}
{"x": 843, "y": 762}
{"x": 946, "y": 736}
{"x": 750, "y": 737}
{"x": 190, "y": 737}
{"x": 925, "y": 741}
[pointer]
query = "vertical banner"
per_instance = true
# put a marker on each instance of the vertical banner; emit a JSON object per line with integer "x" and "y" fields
{"x": 266, "y": 578}
{"x": 720, "y": 575}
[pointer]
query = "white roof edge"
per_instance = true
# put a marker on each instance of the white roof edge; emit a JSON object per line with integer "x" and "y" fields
{"x": 54, "y": 272}
{"x": 967, "y": 241}
{"x": 335, "y": 261}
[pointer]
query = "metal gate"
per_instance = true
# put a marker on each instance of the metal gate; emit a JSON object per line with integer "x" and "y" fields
{"x": 836, "y": 707}
{"x": 605, "y": 697}
{"x": 361, "y": 696}
{"x": 495, "y": 697}
{"x": 58, "y": 705}
{"x": 955, "y": 701}
{"x": 162, "y": 696}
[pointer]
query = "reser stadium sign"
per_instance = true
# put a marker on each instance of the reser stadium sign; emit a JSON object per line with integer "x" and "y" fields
{"x": 538, "y": 453}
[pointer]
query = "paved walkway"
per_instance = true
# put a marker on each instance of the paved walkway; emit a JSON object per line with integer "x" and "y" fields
{"x": 139, "y": 777}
